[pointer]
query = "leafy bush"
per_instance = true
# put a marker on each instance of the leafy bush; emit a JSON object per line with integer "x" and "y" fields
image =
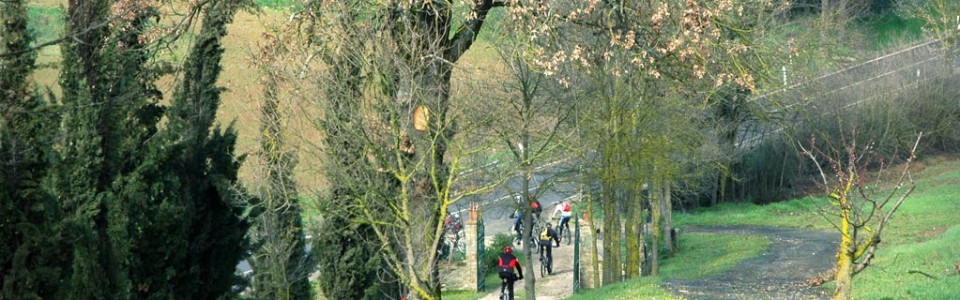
{"x": 500, "y": 241}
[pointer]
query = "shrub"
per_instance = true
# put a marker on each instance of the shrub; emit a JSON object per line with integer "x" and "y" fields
{"x": 500, "y": 241}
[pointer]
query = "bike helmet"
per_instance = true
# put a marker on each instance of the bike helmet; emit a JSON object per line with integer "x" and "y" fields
{"x": 508, "y": 250}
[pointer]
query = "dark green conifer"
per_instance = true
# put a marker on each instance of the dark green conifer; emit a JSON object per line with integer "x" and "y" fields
{"x": 110, "y": 111}
{"x": 206, "y": 167}
{"x": 29, "y": 258}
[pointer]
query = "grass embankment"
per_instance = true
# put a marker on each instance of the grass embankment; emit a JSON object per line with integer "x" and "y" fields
{"x": 923, "y": 235}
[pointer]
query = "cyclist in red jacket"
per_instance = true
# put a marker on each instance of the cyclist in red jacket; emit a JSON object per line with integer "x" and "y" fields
{"x": 506, "y": 264}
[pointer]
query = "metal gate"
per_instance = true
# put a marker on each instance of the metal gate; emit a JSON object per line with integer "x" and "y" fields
{"x": 576, "y": 253}
{"x": 481, "y": 273}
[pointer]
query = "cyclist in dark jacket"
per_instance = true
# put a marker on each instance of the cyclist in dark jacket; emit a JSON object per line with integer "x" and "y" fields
{"x": 546, "y": 237}
{"x": 506, "y": 264}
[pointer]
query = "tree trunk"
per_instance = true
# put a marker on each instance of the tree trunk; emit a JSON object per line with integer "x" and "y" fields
{"x": 655, "y": 222}
{"x": 633, "y": 233}
{"x": 667, "y": 215}
{"x": 593, "y": 239}
{"x": 844, "y": 274}
{"x": 612, "y": 267}
{"x": 717, "y": 190}
{"x": 825, "y": 11}
{"x": 530, "y": 280}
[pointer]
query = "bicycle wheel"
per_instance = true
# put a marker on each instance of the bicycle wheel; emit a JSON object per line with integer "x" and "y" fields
{"x": 543, "y": 266}
{"x": 503, "y": 289}
{"x": 566, "y": 235}
{"x": 549, "y": 266}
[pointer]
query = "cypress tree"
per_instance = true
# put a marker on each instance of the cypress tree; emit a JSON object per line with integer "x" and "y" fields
{"x": 110, "y": 112}
{"x": 348, "y": 253}
{"x": 206, "y": 167}
{"x": 29, "y": 258}
{"x": 95, "y": 223}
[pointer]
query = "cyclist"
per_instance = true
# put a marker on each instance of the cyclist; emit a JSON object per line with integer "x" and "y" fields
{"x": 452, "y": 223}
{"x": 535, "y": 207}
{"x": 546, "y": 236}
{"x": 507, "y": 262}
{"x": 565, "y": 211}
{"x": 518, "y": 224}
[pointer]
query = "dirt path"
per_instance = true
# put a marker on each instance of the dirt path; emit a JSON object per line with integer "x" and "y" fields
{"x": 558, "y": 285}
{"x": 778, "y": 273}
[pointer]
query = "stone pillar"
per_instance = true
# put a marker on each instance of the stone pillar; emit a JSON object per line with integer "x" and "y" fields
{"x": 586, "y": 253}
{"x": 470, "y": 276}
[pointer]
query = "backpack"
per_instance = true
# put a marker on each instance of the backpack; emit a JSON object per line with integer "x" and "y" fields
{"x": 566, "y": 207}
{"x": 535, "y": 205}
{"x": 545, "y": 235}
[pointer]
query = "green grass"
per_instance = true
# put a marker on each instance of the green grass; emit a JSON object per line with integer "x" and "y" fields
{"x": 643, "y": 288}
{"x": 800, "y": 213}
{"x": 46, "y": 24}
{"x": 275, "y": 3}
{"x": 710, "y": 254}
{"x": 890, "y": 277}
{"x": 491, "y": 282}
{"x": 892, "y": 30}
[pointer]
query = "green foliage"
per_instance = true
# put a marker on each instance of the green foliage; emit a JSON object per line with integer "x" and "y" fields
{"x": 774, "y": 170}
{"x": 30, "y": 260}
{"x": 492, "y": 253}
{"x": 348, "y": 263}
{"x": 90, "y": 160}
{"x": 149, "y": 212}
{"x": 280, "y": 265}
{"x": 206, "y": 167}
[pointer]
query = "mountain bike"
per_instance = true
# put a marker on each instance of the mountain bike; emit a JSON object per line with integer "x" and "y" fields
{"x": 565, "y": 230}
{"x": 504, "y": 292}
{"x": 503, "y": 289}
{"x": 545, "y": 267}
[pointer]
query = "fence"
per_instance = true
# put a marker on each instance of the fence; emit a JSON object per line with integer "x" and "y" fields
{"x": 887, "y": 75}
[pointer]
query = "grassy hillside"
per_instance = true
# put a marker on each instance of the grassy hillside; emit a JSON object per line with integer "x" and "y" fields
{"x": 923, "y": 237}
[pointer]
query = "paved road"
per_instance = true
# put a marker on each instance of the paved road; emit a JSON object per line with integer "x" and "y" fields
{"x": 551, "y": 183}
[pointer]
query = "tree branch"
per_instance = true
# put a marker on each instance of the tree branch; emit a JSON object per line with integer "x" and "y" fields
{"x": 467, "y": 34}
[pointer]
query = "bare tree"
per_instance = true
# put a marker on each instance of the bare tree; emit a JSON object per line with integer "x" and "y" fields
{"x": 531, "y": 127}
{"x": 861, "y": 207}
{"x": 390, "y": 135}
{"x": 281, "y": 266}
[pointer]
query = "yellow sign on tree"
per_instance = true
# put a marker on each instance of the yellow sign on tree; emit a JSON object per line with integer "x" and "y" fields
{"x": 421, "y": 116}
